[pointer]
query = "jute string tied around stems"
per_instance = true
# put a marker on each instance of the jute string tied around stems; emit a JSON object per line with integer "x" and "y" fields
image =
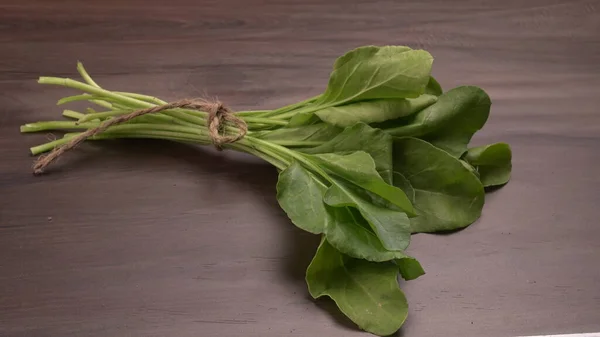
{"x": 218, "y": 114}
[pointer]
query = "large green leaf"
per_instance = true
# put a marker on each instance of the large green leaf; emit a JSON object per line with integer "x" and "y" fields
{"x": 359, "y": 169}
{"x": 300, "y": 195}
{"x": 374, "y": 111}
{"x": 366, "y": 292}
{"x": 492, "y": 162}
{"x": 351, "y": 234}
{"x": 361, "y": 137}
{"x": 377, "y": 72}
{"x": 447, "y": 195}
{"x": 305, "y": 200}
{"x": 363, "y": 52}
{"x": 392, "y": 227}
{"x": 450, "y": 122}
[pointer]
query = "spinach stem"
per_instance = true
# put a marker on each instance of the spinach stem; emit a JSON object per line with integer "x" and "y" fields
{"x": 48, "y": 146}
{"x": 67, "y": 82}
{"x": 75, "y": 98}
{"x": 117, "y": 98}
{"x": 292, "y": 154}
{"x": 158, "y": 117}
{"x": 308, "y": 109}
{"x": 266, "y": 154}
{"x": 251, "y": 112}
{"x": 271, "y": 113}
{"x": 270, "y": 156}
{"x": 266, "y": 121}
{"x": 121, "y": 100}
{"x": 73, "y": 114}
{"x": 175, "y": 124}
{"x": 56, "y": 125}
{"x": 289, "y": 108}
{"x": 297, "y": 143}
{"x": 86, "y": 77}
{"x": 102, "y": 115}
{"x": 102, "y": 103}
{"x": 145, "y": 98}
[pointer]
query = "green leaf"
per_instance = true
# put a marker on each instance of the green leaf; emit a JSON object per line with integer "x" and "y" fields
{"x": 392, "y": 227}
{"x": 303, "y": 118}
{"x": 450, "y": 122}
{"x": 377, "y": 72}
{"x": 352, "y": 235}
{"x": 492, "y": 162}
{"x": 410, "y": 268}
{"x": 361, "y": 137}
{"x": 317, "y": 133}
{"x": 447, "y": 195}
{"x": 401, "y": 182}
{"x": 374, "y": 111}
{"x": 359, "y": 168}
{"x": 300, "y": 195}
{"x": 363, "y": 52}
{"x": 366, "y": 292}
{"x": 433, "y": 87}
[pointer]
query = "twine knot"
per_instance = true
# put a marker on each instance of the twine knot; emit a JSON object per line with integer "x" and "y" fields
{"x": 218, "y": 117}
{"x": 218, "y": 113}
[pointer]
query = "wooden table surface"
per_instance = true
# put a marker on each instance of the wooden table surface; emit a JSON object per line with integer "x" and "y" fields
{"x": 148, "y": 238}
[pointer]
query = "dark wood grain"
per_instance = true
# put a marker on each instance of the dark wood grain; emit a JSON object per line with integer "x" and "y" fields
{"x": 147, "y": 238}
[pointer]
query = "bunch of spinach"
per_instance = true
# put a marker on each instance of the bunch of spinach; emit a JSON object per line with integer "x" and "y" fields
{"x": 381, "y": 154}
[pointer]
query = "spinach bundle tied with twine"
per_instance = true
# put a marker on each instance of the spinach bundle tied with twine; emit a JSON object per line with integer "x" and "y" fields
{"x": 381, "y": 154}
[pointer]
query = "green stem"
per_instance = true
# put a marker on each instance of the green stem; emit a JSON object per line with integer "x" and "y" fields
{"x": 252, "y": 112}
{"x": 154, "y": 134}
{"x": 274, "y": 154}
{"x": 73, "y": 114}
{"x": 67, "y": 82}
{"x": 48, "y": 146}
{"x": 86, "y": 77}
{"x": 296, "y": 143}
{"x": 289, "y": 108}
{"x": 56, "y": 125}
{"x": 102, "y": 115}
{"x": 309, "y": 109}
{"x": 102, "y": 103}
{"x": 272, "y": 158}
{"x": 292, "y": 154}
{"x": 75, "y": 98}
{"x": 266, "y": 121}
{"x": 117, "y": 98}
{"x": 158, "y": 118}
{"x": 271, "y": 113}
{"x": 141, "y": 97}
{"x": 67, "y": 125}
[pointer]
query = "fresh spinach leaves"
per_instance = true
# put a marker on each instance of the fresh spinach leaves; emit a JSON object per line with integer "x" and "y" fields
{"x": 381, "y": 154}
{"x": 446, "y": 195}
{"x": 367, "y": 292}
{"x": 449, "y": 123}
